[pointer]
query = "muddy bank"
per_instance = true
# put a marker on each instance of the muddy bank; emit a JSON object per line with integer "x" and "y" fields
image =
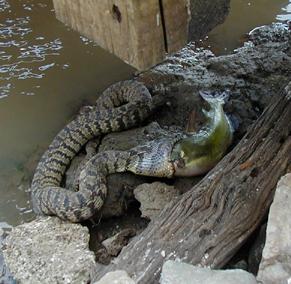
{"x": 252, "y": 75}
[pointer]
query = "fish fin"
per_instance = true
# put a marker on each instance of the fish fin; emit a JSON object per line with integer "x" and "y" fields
{"x": 214, "y": 97}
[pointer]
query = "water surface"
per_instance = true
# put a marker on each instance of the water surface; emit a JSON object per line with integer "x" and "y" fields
{"x": 47, "y": 71}
{"x": 243, "y": 17}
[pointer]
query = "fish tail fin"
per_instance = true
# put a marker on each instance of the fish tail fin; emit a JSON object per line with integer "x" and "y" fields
{"x": 215, "y": 97}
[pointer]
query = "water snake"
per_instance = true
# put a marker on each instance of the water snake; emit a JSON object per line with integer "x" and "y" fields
{"x": 121, "y": 106}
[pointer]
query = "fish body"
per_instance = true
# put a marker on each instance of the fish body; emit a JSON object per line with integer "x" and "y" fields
{"x": 198, "y": 152}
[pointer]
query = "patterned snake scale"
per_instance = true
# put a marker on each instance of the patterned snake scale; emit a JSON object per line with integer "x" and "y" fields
{"x": 121, "y": 106}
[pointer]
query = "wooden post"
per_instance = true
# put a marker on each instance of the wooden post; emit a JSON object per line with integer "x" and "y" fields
{"x": 140, "y": 32}
{"x": 176, "y": 18}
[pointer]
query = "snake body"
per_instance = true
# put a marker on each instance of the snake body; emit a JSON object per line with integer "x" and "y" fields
{"x": 121, "y": 106}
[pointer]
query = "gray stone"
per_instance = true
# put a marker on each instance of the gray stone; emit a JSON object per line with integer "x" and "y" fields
{"x": 48, "y": 250}
{"x": 262, "y": 35}
{"x": 101, "y": 254}
{"x": 178, "y": 272}
{"x": 5, "y": 274}
{"x": 115, "y": 277}
{"x": 121, "y": 227}
{"x": 153, "y": 197}
{"x": 5, "y": 226}
{"x": 275, "y": 267}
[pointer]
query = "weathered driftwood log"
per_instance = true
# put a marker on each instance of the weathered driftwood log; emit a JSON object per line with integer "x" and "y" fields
{"x": 208, "y": 224}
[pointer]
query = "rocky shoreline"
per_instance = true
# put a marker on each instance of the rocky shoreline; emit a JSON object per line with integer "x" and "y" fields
{"x": 48, "y": 250}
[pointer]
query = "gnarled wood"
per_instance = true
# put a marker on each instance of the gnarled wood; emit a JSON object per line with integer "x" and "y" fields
{"x": 209, "y": 223}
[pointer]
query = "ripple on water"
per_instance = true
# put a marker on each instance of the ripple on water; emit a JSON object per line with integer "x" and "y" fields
{"x": 286, "y": 16}
{"x": 22, "y": 54}
{"x": 27, "y": 54}
{"x": 4, "y": 90}
{"x": 4, "y": 5}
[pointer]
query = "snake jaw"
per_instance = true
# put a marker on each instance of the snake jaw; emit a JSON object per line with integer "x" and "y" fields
{"x": 153, "y": 158}
{"x": 182, "y": 169}
{"x": 170, "y": 170}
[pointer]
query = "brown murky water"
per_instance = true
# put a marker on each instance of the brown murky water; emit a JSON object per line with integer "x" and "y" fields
{"x": 244, "y": 16}
{"x": 47, "y": 71}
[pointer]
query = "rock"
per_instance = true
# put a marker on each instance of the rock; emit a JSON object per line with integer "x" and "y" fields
{"x": 5, "y": 275}
{"x": 178, "y": 272}
{"x": 49, "y": 250}
{"x": 101, "y": 254}
{"x": 275, "y": 266}
{"x": 255, "y": 253}
{"x": 129, "y": 223}
{"x": 4, "y": 230}
{"x": 262, "y": 35}
{"x": 1, "y": 233}
{"x": 114, "y": 244}
{"x": 115, "y": 277}
{"x": 109, "y": 248}
{"x": 153, "y": 197}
